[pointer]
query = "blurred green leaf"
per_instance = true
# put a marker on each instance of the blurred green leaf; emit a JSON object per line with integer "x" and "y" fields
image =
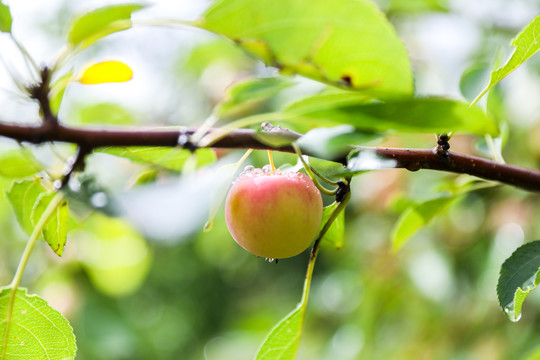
{"x": 5, "y": 18}
{"x": 417, "y": 6}
{"x": 423, "y": 115}
{"x": 242, "y": 97}
{"x": 104, "y": 113}
{"x": 57, "y": 91}
{"x": 17, "y": 164}
{"x": 336, "y": 233}
{"x": 335, "y": 142}
{"x": 282, "y": 342}
{"x": 526, "y": 44}
{"x": 37, "y": 330}
{"x": 219, "y": 51}
{"x": 472, "y": 80}
{"x": 55, "y": 230}
{"x": 417, "y": 216}
{"x": 520, "y": 274}
{"x": 326, "y": 100}
{"x": 168, "y": 158}
{"x": 115, "y": 256}
{"x": 22, "y": 197}
{"x": 351, "y": 45}
{"x": 89, "y": 27}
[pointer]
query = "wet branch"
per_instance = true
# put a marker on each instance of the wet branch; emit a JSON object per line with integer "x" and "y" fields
{"x": 410, "y": 159}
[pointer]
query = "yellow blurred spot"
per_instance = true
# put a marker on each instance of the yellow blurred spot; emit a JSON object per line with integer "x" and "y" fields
{"x": 105, "y": 72}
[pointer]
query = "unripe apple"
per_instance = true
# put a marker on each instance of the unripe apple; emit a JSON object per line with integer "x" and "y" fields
{"x": 273, "y": 214}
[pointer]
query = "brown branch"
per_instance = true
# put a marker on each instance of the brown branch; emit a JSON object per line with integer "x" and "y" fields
{"x": 411, "y": 159}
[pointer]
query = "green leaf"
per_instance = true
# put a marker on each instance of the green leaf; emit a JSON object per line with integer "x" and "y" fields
{"x": 92, "y": 26}
{"x": 519, "y": 276}
{"x": 282, "y": 342}
{"x": 37, "y": 330}
{"x": 526, "y": 44}
{"x": 55, "y": 230}
{"x": 116, "y": 257}
{"x": 335, "y": 142}
{"x": 5, "y": 18}
{"x": 17, "y": 164}
{"x": 422, "y": 115}
{"x": 22, "y": 197}
{"x": 104, "y": 113}
{"x": 244, "y": 96}
{"x": 336, "y": 233}
{"x": 168, "y": 158}
{"x": 57, "y": 91}
{"x": 350, "y": 44}
{"x": 417, "y": 216}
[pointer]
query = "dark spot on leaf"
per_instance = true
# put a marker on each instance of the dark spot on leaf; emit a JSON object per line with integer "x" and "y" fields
{"x": 347, "y": 79}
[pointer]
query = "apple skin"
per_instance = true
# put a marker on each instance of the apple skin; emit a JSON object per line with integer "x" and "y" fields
{"x": 272, "y": 214}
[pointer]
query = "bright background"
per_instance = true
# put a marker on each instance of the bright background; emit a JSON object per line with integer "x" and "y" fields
{"x": 157, "y": 287}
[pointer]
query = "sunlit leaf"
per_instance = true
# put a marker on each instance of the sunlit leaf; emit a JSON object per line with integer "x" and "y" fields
{"x": 282, "y": 342}
{"x": 55, "y": 230}
{"x": 168, "y": 158}
{"x": 526, "y": 44}
{"x": 246, "y": 95}
{"x": 105, "y": 72}
{"x": 416, "y": 6}
{"x": 22, "y": 197}
{"x": 349, "y": 44}
{"x": 417, "y": 216}
{"x": 5, "y": 18}
{"x": 17, "y": 164}
{"x": 422, "y": 115}
{"x": 520, "y": 274}
{"x": 37, "y": 330}
{"x": 361, "y": 160}
{"x": 91, "y": 26}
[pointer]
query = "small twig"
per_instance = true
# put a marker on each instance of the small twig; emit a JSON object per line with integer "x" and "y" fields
{"x": 75, "y": 163}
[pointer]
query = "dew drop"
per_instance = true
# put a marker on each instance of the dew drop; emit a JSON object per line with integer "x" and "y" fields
{"x": 249, "y": 168}
{"x": 258, "y": 172}
{"x": 267, "y": 169}
{"x": 511, "y": 312}
{"x": 529, "y": 284}
{"x": 99, "y": 199}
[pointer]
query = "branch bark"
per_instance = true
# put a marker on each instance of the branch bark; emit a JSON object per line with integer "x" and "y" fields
{"x": 410, "y": 159}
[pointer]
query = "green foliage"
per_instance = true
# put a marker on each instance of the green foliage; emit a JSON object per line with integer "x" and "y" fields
{"x": 5, "y": 18}
{"x": 91, "y": 26}
{"x": 282, "y": 342}
{"x": 37, "y": 330}
{"x": 23, "y": 196}
{"x": 336, "y": 233}
{"x": 246, "y": 95}
{"x": 349, "y": 44}
{"x": 29, "y": 199}
{"x": 167, "y": 158}
{"x": 526, "y": 44}
{"x": 421, "y": 115}
{"x": 519, "y": 276}
{"x": 17, "y": 164}
{"x": 332, "y": 143}
{"x": 416, "y": 216}
{"x": 55, "y": 230}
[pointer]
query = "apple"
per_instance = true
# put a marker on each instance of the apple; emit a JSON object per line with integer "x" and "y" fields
{"x": 273, "y": 214}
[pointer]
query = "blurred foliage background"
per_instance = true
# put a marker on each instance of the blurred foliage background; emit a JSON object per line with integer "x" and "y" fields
{"x": 133, "y": 292}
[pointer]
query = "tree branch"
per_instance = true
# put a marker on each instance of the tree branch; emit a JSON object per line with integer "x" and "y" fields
{"x": 410, "y": 159}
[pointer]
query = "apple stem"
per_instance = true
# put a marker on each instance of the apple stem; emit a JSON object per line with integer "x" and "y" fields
{"x": 310, "y": 172}
{"x": 271, "y": 160}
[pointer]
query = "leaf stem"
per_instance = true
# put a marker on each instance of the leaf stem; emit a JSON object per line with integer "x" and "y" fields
{"x": 22, "y": 264}
{"x": 311, "y": 174}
